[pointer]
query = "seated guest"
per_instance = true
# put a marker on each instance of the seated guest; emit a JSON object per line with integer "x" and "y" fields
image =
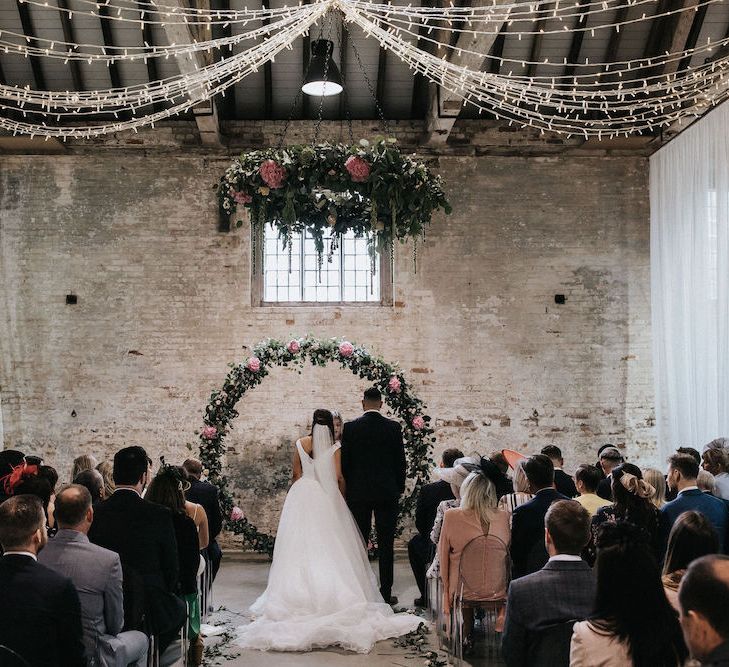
{"x": 692, "y": 536}
{"x": 657, "y": 480}
{"x": 420, "y": 548}
{"x": 194, "y": 510}
{"x": 632, "y": 623}
{"x": 716, "y": 461}
{"x": 705, "y": 482}
{"x": 563, "y": 590}
{"x": 93, "y": 482}
{"x": 562, "y": 481}
{"x": 206, "y": 494}
{"x": 40, "y": 615}
{"x": 587, "y": 478}
{"x": 610, "y": 458}
{"x": 143, "y": 535}
{"x": 528, "y": 553}
{"x": 682, "y": 472}
{"x": 81, "y": 463}
{"x": 704, "y": 600}
{"x": 9, "y": 459}
{"x": 96, "y": 574}
{"x": 521, "y": 494}
{"x": 632, "y": 504}
{"x": 478, "y": 515}
{"x": 107, "y": 472}
{"x": 168, "y": 489}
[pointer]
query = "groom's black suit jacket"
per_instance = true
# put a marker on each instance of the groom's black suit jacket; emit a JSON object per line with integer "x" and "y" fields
{"x": 373, "y": 458}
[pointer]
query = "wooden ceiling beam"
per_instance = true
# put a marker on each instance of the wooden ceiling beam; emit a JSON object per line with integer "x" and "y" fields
{"x": 420, "y": 83}
{"x": 108, "y": 43}
{"x": 226, "y": 103}
{"x": 267, "y": 78}
{"x": 151, "y": 63}
{"x": 681, "y": 27}
{"x": 497, "y": 50}
{"x": 68, "y": 36}
{"x": 536, "y": 47}
{"x": 616, "y": 37}
{"x": 39, "y": 80}
{"x": 578, "y": 37}
{"x": 693, "y": 36}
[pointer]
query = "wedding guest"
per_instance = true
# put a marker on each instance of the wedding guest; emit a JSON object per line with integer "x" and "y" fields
{"x": 93, "y": 482}
{"x": 632, "y": 623}
{"x": 81, "y": 463}
{"x": 505, "y": 486}
{"x": 168, "y": 489}
{"x": 195, "y": 511}
{"x": 143, "y": 535}
{"x": 610, "y": 458}
{"x": 338, "y": 426}
{"x": 705, "y": 482}
{"x": 562, "y": 481}
{"x": 107, "y": 472}
{"x": 478, "y": 515}
{"x": 704, "y": 599}
{"x": 96, "y": 573}
{"x": 206, "y": 494}
{"x": 9, "y": 459}
{"x": 692, "y": 452}
{"x": 521, "y": 494}
{"x": 528, "y": 553}
{"x": 682, "y": 473}
{"x": 563, "y": 590}
{"x": 692, "y": 536}
{"x": 40, "y": 614}
{"x": 657, "y": 480}
{"x": 716, "y": 461}
{"x": 420, "y": 548}
{"x": 599, "y": 454}
{"x": 587, "y": 478}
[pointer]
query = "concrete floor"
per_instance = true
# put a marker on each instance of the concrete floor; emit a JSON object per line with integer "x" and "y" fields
{"x": 241, "y": 581}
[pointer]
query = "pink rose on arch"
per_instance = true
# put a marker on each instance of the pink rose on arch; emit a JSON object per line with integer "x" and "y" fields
{"x": 293, "y": 346}
{"x": 242, "y": 198}
{"x": 358, "y": 168}
{"x": 394, "y": 385}
{"x": 236, "y": 514}
{"x": 418, "y": 423}
{"x": 253, "y": 364}
{"x": 209, "y": 432}
{"x": 346, "y": 349}
{"x": 272, "y": 174}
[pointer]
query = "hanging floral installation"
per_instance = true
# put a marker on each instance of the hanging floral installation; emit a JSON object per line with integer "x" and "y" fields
{"x": 373, "y": 190}
{"x": 397, "y": 394}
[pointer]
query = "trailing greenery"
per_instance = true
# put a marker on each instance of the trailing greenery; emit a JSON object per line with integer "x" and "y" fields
{"x": 221, "y": 411}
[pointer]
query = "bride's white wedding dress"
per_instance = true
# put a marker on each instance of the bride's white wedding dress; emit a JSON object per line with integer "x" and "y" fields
{"x": 321, "y": 589}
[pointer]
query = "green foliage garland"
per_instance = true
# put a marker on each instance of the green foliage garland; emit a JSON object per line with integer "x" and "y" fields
{"x": 220, "y": 413}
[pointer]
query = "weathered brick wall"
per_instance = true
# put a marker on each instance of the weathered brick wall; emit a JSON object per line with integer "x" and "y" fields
{"x": 164, "y": 305}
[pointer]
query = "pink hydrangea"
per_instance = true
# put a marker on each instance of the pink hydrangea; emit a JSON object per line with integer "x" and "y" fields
{"x": 293, "y": 346}
{"x": 358, "y": 168}
{"x": 418, "y": 423}
{"x": 272, "y": 174}
{"x": 346, "y": 349}
{"x": 209, "y": 432}
{"x": 236, "y": 514}
{"x": 394, "y": 385}
{"x": 242, "y": 198}
{"x": 253, "y": 364}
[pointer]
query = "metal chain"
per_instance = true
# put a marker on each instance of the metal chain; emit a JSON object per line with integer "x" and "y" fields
{"x": 320, "y": 116}
{"x": 344, "y": 82}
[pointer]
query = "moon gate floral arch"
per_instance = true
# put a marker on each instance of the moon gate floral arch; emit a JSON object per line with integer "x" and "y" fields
{"x": 388, "y": 378}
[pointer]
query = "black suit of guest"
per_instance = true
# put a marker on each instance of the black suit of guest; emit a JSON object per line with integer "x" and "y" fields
{"x": 528, "y": 553}
{"x": 143, "y": 535}
{"x": 605, "y": 488}
{"x": 564, "y": 483}
{"x": 40, "y": 614}
{"x": 206, "y": 494}
{"x": 420, "y": 548}
{"x": 373, "y": 464}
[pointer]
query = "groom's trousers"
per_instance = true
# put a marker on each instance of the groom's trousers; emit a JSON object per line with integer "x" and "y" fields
{"x": 385, "y": 512}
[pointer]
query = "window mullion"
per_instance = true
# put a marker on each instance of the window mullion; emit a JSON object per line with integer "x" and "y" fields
{"x": 301, "y": 265}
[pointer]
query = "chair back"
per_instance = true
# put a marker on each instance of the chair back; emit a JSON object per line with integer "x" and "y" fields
{"x": 485, "y": 570}
{"x": 550, "y": 647}
{"x": 9, "y": 658}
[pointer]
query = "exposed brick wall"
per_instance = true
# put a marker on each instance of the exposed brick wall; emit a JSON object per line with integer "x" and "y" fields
{"x": 164, "y": 305}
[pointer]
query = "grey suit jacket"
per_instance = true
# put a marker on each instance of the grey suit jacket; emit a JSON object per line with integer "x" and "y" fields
{"x": 561, "y": 591}
{"x": 97, "y": 575}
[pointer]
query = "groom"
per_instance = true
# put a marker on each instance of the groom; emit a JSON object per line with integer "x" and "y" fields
{"x": 373, "y": 464}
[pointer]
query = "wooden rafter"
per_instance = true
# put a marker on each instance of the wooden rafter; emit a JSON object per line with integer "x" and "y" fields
{"x": 693, "y": 36}
{"x": 151, "y": 63}
{"x": 267, "y": 78}
{"x": 536, "y": 47}
{"x": 226, "y": 103}
{"x": 497, "y": 51}
{"x": 679, "y": 29}
{"x": 577, "y": 39}
{"x": 616, "y": 36}
{"x": 109, "y": 43}
{"x": 35, "y": 62}
{"x": 420, "y": 83}
{"x": 68, "y": 36}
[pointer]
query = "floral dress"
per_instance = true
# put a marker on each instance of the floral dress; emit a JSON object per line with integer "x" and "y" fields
{"x": 609, "y": 514}
{"x": 434, "y": 569}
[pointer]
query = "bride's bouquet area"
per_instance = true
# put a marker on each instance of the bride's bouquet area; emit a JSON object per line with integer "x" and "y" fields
{"x": 388, "y": 378}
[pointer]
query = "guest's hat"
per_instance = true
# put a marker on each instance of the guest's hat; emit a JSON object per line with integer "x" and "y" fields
{"x": 513, "y": 457}
{"x": 458, "y": 472}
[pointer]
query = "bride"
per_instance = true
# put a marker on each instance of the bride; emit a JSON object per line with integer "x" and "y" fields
{"x": 321, "y": 590}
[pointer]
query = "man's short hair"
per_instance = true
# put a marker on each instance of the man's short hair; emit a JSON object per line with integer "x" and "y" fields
{"x": 20, "y": 517}
{"x": 539, "y": 470}
{"x": 450, "y": 456}
{"x": 685, "y": 464}
{"x": 589, "y": 475}
{"x": 691, "y": 452}
{"x": 611, "y": 454}
{"x": 568, "y": 524}
{"x": 552, "y": 451}
{"x": 93, "y": 481}
{"x": 705, "y": 589}
{"x": 130, "y": 464}
{"x": 72, "y": 503}
{"x": 193, "y": 468}
{"x": 372, "y": 395}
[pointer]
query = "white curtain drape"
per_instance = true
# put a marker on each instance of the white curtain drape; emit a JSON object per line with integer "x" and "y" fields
{"x": 689, "y": 195}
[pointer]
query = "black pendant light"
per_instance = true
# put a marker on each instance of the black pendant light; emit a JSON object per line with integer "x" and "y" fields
{"x": 323, "y": 78}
